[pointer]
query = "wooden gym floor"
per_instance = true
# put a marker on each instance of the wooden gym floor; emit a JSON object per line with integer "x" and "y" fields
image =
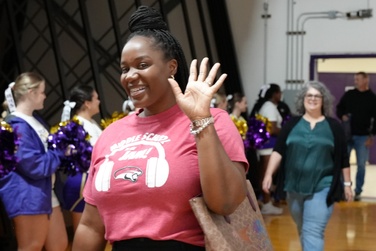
{"x": 352, "y": 226}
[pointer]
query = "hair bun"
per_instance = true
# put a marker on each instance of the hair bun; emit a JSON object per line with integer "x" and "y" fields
{"x": 146, "y": 18}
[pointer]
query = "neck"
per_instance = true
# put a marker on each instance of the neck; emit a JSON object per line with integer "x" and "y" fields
{"x": 163, "y": 106}
{"x": 236, "y": 113}
{"x": 25, "y": 109}
{"x": 84, "y": 114}
{"x": 274, "y": 101}
{"x": 362, "y": 89}
{"x": 313, "y": 115}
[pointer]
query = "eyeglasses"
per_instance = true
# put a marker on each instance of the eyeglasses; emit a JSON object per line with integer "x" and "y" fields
{"x": 313, "y": 96}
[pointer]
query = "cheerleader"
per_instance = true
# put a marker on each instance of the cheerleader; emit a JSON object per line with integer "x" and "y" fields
{"x": 84, "y": 104}
{"x": 27, "y": 191}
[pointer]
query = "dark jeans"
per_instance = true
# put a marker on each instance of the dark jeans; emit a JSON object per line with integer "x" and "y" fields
{"x": 144, "y": 244}
{"x": 362, "y": 154}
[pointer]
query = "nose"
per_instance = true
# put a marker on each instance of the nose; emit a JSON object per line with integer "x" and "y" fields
{"x": 131, "y": 75}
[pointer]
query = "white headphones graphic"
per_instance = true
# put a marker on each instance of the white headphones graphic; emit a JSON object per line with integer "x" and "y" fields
{"x": 157, "y": 168}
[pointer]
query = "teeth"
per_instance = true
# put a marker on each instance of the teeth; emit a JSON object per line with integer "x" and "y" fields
{"x": 137, "y": 89}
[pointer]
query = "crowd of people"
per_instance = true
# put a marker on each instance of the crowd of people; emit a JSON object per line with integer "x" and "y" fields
{"x": 183, "y": 137}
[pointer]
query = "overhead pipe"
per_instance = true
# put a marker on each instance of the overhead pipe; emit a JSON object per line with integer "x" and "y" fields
{"x": 324, "y": 15}
{"x": 287, "y": 42}
{"x": 302, "y": 45}
{"x": 300, "y": 33}
{"x": 265, "y": 16}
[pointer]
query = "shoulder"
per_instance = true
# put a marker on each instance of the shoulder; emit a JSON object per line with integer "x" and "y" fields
{"x": 334, "y": 124}
{"x": 333, "y": 121}
{"x": 119, "y": 124}
{"x": 18, "y": 122}
{"x": 223, "y": 120}
{"x": 286, "y": 128}
{"x": 219, "y": 113}
{"x": 290, "y": 124}
{"x": 293, "y": 120}
{"x": 350, "y": 93}
{"x": 268, "y": 105}
{"x": 13, "y": 119}
{"x": 371, "y": 93}
{"x": 268, "y": 109}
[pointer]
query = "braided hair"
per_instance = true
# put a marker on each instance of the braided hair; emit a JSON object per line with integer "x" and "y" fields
{"x": 148, "y": 22}
{"x": 265, "y": 96}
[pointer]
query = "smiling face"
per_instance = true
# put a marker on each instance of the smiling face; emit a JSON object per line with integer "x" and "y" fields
{"x": 144, "y": 75}
{"x": 313, "y": 101}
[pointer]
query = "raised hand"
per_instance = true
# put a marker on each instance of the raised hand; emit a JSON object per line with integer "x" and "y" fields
{"x": 201, "y": 87}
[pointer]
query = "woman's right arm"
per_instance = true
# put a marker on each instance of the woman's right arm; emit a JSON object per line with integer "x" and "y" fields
{"x": 278, "y": 152}
{"x": 89, "y": 235}
{"x": 273, "y": 164}
{"x": 275, "y": 129}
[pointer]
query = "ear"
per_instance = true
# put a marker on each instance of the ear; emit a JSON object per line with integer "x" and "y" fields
{"x": 86, "y": 104}
{"x": 173, "y": 66}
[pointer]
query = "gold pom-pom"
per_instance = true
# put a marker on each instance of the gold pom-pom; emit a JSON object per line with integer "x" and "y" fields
{"x": 241, "y": 125}
{"x": 115, "y": 116}
{"x": 6, "y": 127}
{"x": 266, "y": 121}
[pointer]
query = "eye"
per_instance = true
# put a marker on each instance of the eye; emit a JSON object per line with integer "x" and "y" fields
{"x": 124, "y": 70}
{"x": 143, "y": 65}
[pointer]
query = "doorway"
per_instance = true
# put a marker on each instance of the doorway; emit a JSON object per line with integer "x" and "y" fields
{"x": 337, "y": 73}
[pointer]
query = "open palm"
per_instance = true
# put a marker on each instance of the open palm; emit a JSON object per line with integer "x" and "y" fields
{"x": 195, "y": 102}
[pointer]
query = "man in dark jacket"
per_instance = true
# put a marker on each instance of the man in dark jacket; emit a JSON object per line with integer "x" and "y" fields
{"x": 358, "y": 106}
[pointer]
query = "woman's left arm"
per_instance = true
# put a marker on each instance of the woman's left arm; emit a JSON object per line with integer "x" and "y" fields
{"x": 222, "y": 180}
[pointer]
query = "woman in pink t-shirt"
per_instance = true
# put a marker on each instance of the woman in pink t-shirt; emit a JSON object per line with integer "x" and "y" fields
{"x": 146, "y": 166}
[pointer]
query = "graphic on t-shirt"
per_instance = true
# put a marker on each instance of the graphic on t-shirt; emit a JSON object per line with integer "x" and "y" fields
{"x": 126, "y": 152}
{"x": 128, "y": 173}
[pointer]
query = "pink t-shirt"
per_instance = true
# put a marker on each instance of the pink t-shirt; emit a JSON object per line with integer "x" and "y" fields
{"x": 145, "y": 170}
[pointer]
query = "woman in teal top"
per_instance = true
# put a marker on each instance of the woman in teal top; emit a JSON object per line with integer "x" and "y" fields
{"x": 311, "y": 152}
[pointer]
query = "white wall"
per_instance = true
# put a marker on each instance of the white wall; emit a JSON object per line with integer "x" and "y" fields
{"x": 323, "y": 36}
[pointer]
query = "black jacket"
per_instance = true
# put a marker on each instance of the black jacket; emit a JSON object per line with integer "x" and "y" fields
{"x": 361, "y": 106}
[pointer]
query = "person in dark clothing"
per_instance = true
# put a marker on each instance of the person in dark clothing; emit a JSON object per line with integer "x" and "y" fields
{"x": 267, "y": 106}
{"x": 358, "y": 106}
{"x": 284, "y": 110}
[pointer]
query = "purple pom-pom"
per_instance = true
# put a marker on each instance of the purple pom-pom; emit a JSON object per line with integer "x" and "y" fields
{"x": 71, "y": 133}
{"x": 257, "y": 134}
{"x": 8, "y": 147}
